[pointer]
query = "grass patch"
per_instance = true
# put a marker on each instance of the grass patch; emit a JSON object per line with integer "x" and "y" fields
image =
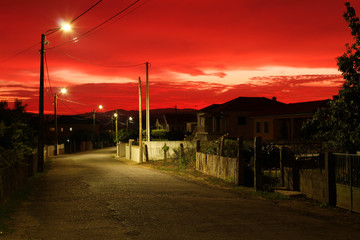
{"x": 173, "y": 168}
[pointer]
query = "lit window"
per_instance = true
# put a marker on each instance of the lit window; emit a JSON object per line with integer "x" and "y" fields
{"x": 62, "y": 129}
{"x": 52, "y": 129}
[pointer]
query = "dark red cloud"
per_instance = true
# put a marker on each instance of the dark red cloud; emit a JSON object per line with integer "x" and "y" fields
{"x": 192, "y": 45}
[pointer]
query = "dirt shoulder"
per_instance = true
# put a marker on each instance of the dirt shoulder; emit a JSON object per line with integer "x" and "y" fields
{"x": 301, "y": 205}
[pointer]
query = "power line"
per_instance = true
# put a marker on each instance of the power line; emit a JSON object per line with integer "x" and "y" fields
{"x": 96, "y": 27}
{"x": 115, "y": 20}
{"x": 72, "y": 110}
{"x": 28, "y": 48}
{"x": 85, "y": 11}
{"x": 18, "y": 53}
{"x": 97, "y": 64}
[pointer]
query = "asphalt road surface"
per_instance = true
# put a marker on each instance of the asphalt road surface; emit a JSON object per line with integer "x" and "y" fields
{"x": 93, "y": 195}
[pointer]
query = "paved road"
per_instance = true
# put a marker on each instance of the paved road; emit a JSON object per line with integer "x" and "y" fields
{"x": 95, "y": 196}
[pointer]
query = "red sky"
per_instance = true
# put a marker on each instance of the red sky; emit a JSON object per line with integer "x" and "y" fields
{"x": 201, "y": 52}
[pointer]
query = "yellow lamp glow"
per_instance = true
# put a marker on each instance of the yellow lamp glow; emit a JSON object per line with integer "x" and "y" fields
{"x": 66, "y": 27}
{"x": 63, "y": 90}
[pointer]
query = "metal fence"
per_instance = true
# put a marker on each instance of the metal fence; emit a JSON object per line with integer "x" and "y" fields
{"x": 348, "y": 169}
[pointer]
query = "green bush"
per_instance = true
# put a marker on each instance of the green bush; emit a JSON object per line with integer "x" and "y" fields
{"x": 159, "y": 134}
{"x": 186, "y": 157}
{"x": 16, "y": 134}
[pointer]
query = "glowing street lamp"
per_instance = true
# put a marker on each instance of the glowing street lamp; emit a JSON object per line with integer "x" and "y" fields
{"x": 116, "y": 128}
{"x": 41, "y": 96}
{"x": 127, "y": 122}
{"x": 63, "y": 91}
{"x": 94, "y": 129}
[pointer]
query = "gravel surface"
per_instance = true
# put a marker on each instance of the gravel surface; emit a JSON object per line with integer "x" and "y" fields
{"x": 93, "y": 195}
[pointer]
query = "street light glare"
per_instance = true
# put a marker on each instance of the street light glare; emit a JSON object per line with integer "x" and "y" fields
{"x": 66, "y": 27}
{"x": 63, "y": 90}
{"x": 115, "y": 115}
{"x": 100, "y": 106}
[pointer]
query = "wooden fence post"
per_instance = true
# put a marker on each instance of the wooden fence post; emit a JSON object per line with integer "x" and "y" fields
{"x": 197, "y": 145}
{"x": 258, "y": 164}
{"x": 240, "y": 163}
{"x": 283, "y": 160}
{"x": 221, "y": 150}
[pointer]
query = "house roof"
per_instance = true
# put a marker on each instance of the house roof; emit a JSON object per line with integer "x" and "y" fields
{"x": 294, "y": 108}
{"x": 246, "y": 104}
{"x": 174, "y": 118}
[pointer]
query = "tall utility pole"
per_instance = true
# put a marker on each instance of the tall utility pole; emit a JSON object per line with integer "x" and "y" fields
{"x": 116, "y": 126}
{"x": 147, "y": 104}
{"x": 41, "y": 109}
{"x": 56, "y": 126}
{"x": 94, "y": 128}
{"x": 140, "y": 125}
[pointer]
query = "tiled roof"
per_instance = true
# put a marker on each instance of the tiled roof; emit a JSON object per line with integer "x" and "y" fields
{"x": 248, "y": 104}
{"x": 294, "y": 108}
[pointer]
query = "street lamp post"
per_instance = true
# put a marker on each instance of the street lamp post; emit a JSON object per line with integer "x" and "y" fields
{"x": 41, "y": 109}
{"x": 94, "y": 122}
{"x": 56, "y": 121}
{"x": 116, "y": 126}
{"x": 56, "y": 126}
{"x": 116, "y": 133}
{"x": 41, "y": 97}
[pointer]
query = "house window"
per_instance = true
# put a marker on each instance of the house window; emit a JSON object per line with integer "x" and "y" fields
{"x": 61, "y": 129}
{"x": 52, "y": 129}
{"x": 241, "y": 120}
{"x": 258, "y": 127}
{"x": 266, "y": 127}
{"x": 218, "y": 123}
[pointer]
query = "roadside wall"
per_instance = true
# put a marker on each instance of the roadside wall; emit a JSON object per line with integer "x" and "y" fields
{"x": 314, "y": 184}
{"x": 216, "y": 166}
{"x": 155, "y": 149}
{"x": 49, "y": 150}
{"x": 156, "y": 152}
{"x": 14, "y": 178}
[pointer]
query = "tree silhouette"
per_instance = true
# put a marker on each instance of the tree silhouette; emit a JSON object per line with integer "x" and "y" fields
{"x": 339, "y": 124}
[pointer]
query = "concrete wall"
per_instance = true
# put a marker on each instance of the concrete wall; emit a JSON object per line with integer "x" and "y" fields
{"x": 121, "y": 150}
{"x": 156, "y": 152}
{"x": 49, "y": 150}
{"x": 343, "y": 197}
{"x": 155, "y": 149}
{"x": 220, "y": 167}
{"x": 289, "y": 178}
{"x": 314, "y": 184}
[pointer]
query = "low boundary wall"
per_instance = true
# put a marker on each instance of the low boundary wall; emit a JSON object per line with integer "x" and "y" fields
{"x": 155, "y": 149}
{"x": 216, "y": 166}
{"x": 14, "y": 178}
